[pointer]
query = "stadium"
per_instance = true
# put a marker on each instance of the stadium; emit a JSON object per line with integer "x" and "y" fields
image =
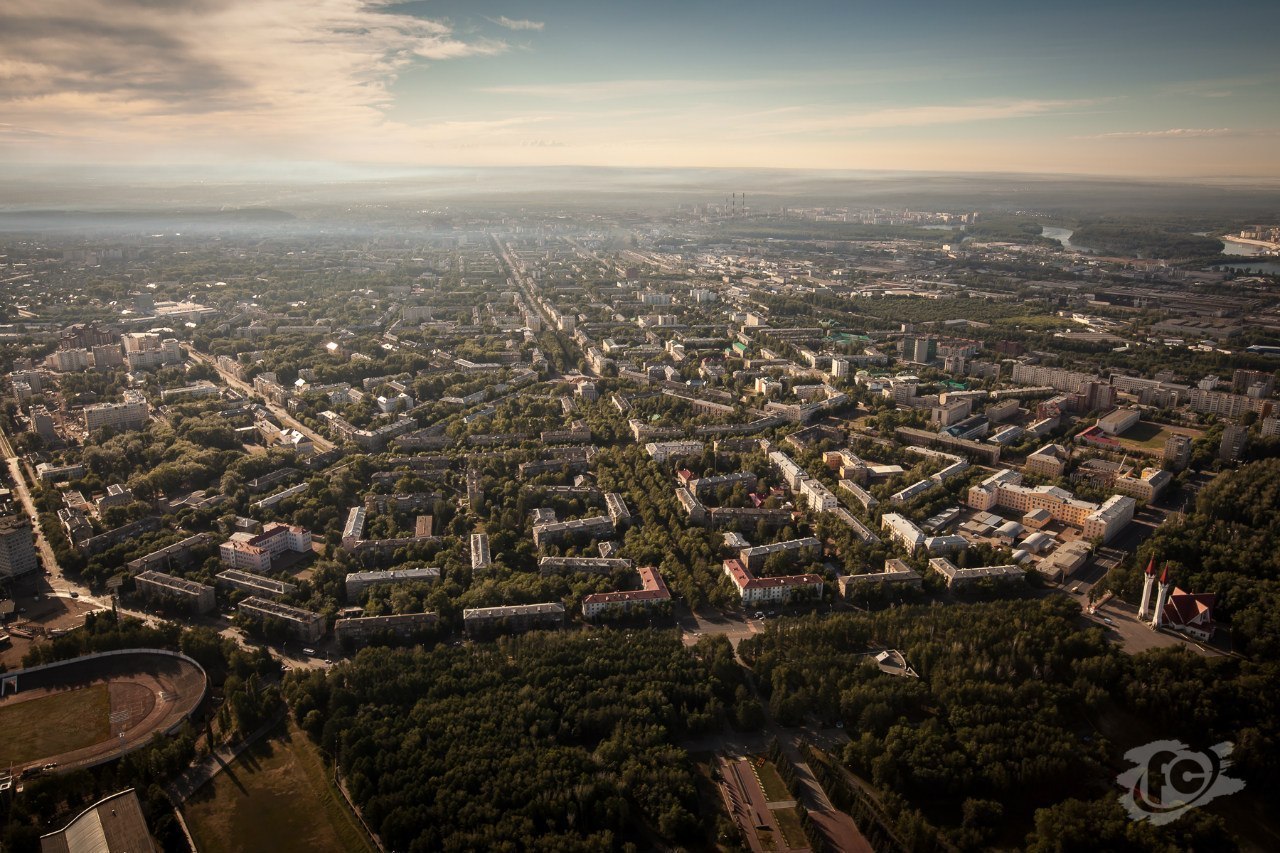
{"x": 92, "y": 709}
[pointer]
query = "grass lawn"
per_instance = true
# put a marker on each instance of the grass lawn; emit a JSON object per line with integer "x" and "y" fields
{"x": 789, "y": 822}
{"x": 276, "y": 796}
{"x": 51, "y": 725}
{"x": 775, "y": 791}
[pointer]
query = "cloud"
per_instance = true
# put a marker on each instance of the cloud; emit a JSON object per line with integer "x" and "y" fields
{"x": 512, "y": 24}
{"x": 824, "y": 119}
{"x": 11, "y": 133}
{"x": 599, "y": 90}
{"x": 260, "y": 74}
{"x": 931, "y": 114}
{"x": 1180, "y": 133}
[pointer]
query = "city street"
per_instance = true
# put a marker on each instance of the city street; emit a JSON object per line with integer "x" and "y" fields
{"x": 286, "y": 420}
{"x": 57, "y": 581}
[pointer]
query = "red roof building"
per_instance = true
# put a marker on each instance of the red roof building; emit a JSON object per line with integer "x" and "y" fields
{"x": 653, "y": 590}
{"x": 754, "y": 589}
{"x": 1191, "y": 613}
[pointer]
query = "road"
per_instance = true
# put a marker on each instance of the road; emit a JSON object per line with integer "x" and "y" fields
{"x": 58, "y": 581}
{"x": 711, "y": 621}
{"x": 61, "y": 586}
{"x": 322, "y": 444}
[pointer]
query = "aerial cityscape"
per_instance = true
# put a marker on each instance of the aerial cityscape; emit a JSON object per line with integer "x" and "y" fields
{"x": 417, "y": 439}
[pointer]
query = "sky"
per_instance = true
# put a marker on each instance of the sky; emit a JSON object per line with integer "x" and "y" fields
{"x": 1146, "y": 89}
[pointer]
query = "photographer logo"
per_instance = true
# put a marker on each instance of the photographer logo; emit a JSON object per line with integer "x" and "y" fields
{"x": 1169, "y": 778}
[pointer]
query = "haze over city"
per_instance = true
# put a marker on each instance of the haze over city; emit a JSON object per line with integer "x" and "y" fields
{"x": 350, "y": 87}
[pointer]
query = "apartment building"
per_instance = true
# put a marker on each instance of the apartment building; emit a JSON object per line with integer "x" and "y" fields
{"x": 756, "y": 590}
{"x": 652, "y": 593}
{"x": 198, "y": 597}
{"x": 132, "y": 413}
{"x": 255, "y": 553}
{"x": 358, "y": 582}
{"x": 17, "y": 547}
{"x": 896, "y": 573}
{"x": 304, "y": 625}
{"x": 254, "y": 584}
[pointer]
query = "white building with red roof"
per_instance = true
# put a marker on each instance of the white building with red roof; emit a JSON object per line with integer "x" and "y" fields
{"x": 754, "y": 590}
{"x": 255, "y": 552}
{"x": 653, "y": 591}
{"x": 1191, "y": 613}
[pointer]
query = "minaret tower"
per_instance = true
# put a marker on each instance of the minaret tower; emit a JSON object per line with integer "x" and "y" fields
{"x": 1148, "y": 586}
{"x": 1162, "y": 598}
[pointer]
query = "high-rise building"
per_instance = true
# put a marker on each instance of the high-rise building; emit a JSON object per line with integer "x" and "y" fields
{"x": 918, "y": 350}
{"x": 17, "y": 547}
{"x": 130, "y": 414}
{"x": 1092, "y": 397}
{"x": 107, "y": 355}
{"x": 1255, "y": 383}
{"x": 1234, "y": 439}
{"x": 1177, "y": 452}
{"x": 68, "y": 360}
{"x": 42, "y": 423}
{"x": 145, "y": 350}
{"x": 83, "y": 336}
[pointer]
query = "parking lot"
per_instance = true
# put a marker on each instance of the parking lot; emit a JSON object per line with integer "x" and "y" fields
{"x": 1121, "y": 623}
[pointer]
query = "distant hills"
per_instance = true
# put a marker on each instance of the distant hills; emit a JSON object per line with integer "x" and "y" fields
{"x": 122, "y": 193}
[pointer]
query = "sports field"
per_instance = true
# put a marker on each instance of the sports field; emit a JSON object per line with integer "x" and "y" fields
{"x": 53, "y": 724}
{"x": 1152, "y": 436}
{"x": 276, "y": 796}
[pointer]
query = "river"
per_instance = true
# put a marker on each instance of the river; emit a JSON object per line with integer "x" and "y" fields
{"x": 1063, "y": 236}
{"x": 1266, "y": 267}
{"x": 1248, "y": 250}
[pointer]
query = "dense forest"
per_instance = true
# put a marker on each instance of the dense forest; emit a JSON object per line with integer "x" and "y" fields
{"x": 542, "y": 742}
{"x": 1013, "y": 732}
{"x": 1010, "y": 229}
{"x": 1229, "y": 546}
{"x": 1144, "y": 241}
